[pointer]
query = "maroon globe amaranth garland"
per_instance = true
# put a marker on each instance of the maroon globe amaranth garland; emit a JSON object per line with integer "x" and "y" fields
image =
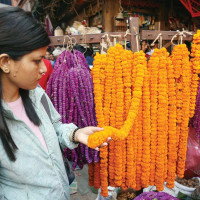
{"x": 70, "y": 89}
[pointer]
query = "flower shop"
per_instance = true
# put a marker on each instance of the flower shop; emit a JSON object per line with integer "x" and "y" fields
{"x": 149, "y": 107}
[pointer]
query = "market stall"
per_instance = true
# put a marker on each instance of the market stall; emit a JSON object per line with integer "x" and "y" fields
{"x": 144, "y": 106}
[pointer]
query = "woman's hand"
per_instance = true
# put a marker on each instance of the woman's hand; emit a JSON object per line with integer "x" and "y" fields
{"x": 82, "y": 135}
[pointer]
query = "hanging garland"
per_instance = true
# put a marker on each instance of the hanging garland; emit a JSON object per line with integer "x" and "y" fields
{"x": 143, "y": 114}
{"x": 194, "y": 85}
{"x": 110, "y": 105}
{"x": 70, "y": 89}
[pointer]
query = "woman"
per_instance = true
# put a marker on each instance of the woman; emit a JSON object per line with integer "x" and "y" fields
{"x": 31, "y": 165}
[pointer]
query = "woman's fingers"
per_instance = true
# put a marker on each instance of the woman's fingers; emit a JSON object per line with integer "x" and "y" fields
{"x": 109, "y": 139}
{"x": 97, "y": 129}
{"x": 104, "y": 144}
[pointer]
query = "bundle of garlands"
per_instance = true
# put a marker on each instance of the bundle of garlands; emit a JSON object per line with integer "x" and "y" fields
{"x": 70, "y": 89}
{"x": 145, "y": 110}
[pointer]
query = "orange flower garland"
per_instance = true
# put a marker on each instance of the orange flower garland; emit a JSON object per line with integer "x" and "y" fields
{"x": 195, "y": 70}
{"x": 161, "y": 119}
{"x": 146, "y": 112}
{"x": 172, "y": 153}
{"x": 146, "y": 133}
{"x": 139, "y": 150}
{"x": 97, "y": 180}
{"x": 127, "y": 58}
{"x": 119, "y": 116}
{"x": 153, "y": 66}
{"x": 91, "y": 173}
{"x": 109, "y": 69}
{"x": 98, "y": 138}
{"x": 186, "y": 81}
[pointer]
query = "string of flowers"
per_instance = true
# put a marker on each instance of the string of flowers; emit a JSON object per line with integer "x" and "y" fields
{"x": 113, "y": 107}
{"x": 172, "y": 154}
{"x": 146, "y": 132}
{"x": 146, "y": 115}
{"x": 131, "y": 163}
{"x": 195, "y": 70}
{"x": 139, "y": 149}
{"x": 128, "y": 163}
{"x": 74, "y": 104}
{"x": 195, "y": 80}
{"x": 186, "y": 82}
{"x": 99, "y": 137}
{"x": 109, "y": 72}
{"x": 161, "y": 119}
{"x": 119, "y": 118}
{"x": 153, "y": 66}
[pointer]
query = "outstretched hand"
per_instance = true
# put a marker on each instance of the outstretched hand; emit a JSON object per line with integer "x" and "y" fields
{"x": 83, "y": 134}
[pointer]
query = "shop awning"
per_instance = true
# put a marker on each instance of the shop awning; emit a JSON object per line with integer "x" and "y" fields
{"x": 193, "y": 6}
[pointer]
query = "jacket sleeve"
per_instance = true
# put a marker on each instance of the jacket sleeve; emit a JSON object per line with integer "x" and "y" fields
{"x": 63, "y": 130}
{"x": 2, "y": 197}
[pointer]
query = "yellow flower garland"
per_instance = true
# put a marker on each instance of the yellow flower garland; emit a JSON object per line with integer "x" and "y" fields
{"x": 195, "y": 71}
{"x": 146, "y": 112}
{"x": 100, "y": 137}
{"x": 186, "y": 81}
{"x": 172, "y": 153}
{"x": 146, "y": 133}
{"x": 161, "y": 119}
{"x": 153, "y": 66}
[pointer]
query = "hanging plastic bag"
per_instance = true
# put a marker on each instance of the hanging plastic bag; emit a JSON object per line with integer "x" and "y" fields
{"x": 193, "y": 152}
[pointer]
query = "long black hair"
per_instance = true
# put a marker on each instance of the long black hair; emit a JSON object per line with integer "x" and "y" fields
{"x": 20, "y": 34}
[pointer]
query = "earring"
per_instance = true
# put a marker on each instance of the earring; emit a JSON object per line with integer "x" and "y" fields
{"x": 6, "y": 70}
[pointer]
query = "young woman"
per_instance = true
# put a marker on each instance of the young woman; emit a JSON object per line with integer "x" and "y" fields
{"x": 31, "y": 164}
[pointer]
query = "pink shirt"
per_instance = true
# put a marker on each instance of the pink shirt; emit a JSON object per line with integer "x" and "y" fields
{"x": 19, "y": 111}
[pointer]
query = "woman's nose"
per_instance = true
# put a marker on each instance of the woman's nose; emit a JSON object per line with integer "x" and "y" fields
{"x": 43, "y": 68}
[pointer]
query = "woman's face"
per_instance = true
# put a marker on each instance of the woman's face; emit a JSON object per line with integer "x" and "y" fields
{"x": 51, "y": 57}
{"x": 27, "y": 72}
{"x": 47, "y": 55}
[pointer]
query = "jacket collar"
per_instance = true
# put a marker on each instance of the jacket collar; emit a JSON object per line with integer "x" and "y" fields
{"x": 35, "y": 96}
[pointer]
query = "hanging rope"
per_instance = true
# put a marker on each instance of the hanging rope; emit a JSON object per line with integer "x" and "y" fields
{"x": 115, "y": 38}
{"x": 160, "y": 41}
{"x": 181, "y": 34}
{"x": 125, "y": 37}
{"x": 159, "y": 35}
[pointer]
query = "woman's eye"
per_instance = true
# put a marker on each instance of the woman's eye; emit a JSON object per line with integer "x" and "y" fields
{"x": 37, "y": 61}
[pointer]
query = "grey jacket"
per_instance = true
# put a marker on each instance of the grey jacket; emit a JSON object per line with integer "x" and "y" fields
{"x": 36, "y": 174}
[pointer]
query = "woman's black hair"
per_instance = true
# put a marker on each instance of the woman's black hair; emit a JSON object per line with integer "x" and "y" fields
{"x": 20, "y": 34}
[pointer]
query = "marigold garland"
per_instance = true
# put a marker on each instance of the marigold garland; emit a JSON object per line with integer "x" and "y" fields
{"x": 172, "y": 154}
{"x": 145, "y": 163}
{"x": 99, "y": 137}
{"x": 195, "y": 71}
{"x": 119, "y": 116}
{"x": 153, "y": 66}
{"x": 142, "y": 110}
{"x": 186, "y": 81}
{"x": 97, "y": 180}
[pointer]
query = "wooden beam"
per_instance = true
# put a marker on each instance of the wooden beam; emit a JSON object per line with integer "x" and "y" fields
{"x": 88, "y": 38}
{"x": 166, "y": 35}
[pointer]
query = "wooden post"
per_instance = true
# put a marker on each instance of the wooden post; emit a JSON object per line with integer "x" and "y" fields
{"x": 134, "y": 29}
{"x": 110, "y": 10}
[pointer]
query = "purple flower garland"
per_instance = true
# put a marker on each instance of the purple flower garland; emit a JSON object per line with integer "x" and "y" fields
{"x": 70, "y": 89}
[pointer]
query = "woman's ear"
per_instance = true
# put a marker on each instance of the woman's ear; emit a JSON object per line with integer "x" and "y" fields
{"x": 4, "y": 63}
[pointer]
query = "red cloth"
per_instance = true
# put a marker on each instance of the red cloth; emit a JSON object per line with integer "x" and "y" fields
{"x": 45, "y": 78}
